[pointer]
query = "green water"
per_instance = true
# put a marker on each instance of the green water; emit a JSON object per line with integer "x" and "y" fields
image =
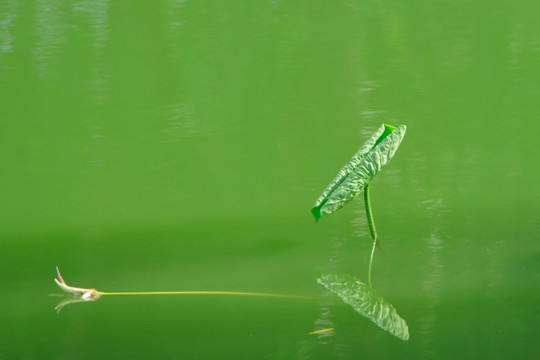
{"x": 179, "y": 145}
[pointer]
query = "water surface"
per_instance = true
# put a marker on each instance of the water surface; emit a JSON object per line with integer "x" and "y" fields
{"x": 179, "y": 145}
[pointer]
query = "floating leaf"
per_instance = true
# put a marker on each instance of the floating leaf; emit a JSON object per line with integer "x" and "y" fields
{"x": 364, "y": 301}
{"x": 360, "y": 170}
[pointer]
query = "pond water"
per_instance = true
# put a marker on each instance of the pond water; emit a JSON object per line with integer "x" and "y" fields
{"x": 180, "y": 145}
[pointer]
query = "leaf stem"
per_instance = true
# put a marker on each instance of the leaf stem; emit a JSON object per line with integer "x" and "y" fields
{"x": 196, "y": 293}
{"x": 372, "y": 230}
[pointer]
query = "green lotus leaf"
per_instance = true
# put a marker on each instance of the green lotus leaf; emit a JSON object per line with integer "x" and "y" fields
{"x": 360, "y": 170}
{"x": 365, "y": 301}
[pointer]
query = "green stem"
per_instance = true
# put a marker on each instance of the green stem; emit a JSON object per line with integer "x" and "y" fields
{"x": 372, "y": 230}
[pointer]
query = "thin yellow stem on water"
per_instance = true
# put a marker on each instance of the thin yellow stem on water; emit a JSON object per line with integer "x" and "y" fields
{"x": 196, "y": 293}
{"x": 320, "y": 331}
{"x": 83, "y": 294}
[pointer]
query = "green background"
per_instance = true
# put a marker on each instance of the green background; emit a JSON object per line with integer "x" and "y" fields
{"x": 179, "y": 145}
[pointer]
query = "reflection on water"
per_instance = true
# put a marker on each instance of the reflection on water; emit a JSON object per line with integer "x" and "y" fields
{"x": 434, "y": 274}
{"x": 435, "y": 212}
{"x": 365, "y": 301}
{"x": 495, "y": 258}
{"x": 328, "y": 302}
{"x": 174, "y": 14}
{"x": 8, "y": 14}
{"x": 324, "y": 320}
{"x": 50, "y": 34}
{"x": 59, "y": 28}
{"x": 95, "y": 153}
{"x": 96, "y": 13}
{"x": 515, "y": 47}
{"x": 431, "y": 287}
{"x": 182, "y": 122}
{"x": 359, "y": 223}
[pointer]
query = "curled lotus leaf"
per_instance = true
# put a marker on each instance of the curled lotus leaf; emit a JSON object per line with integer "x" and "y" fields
{"x": 357, "y": 173}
